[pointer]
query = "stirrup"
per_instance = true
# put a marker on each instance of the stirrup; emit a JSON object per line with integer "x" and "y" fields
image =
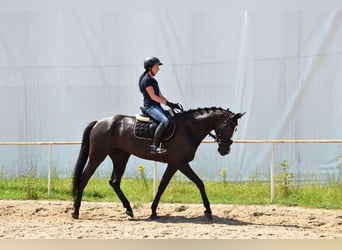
{"x": 157, "y": 150}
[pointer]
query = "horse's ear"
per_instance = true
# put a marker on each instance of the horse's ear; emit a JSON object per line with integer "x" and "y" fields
{"x": 239, "y": 115}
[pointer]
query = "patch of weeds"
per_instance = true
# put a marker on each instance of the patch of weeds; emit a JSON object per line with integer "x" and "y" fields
{"x": 31, "y": 183}
{"x": 284, "y": 180}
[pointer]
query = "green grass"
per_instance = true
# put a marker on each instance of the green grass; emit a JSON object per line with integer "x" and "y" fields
{"x": 317, "y": 196}
{"x": 140, "y": 191}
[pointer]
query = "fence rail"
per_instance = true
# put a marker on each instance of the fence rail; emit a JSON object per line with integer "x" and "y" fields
{"x": 271, "y": 142}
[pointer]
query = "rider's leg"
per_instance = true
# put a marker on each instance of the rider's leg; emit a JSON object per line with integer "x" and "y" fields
{"x": 158, "y": 114}
{"x": 156, "y": 147}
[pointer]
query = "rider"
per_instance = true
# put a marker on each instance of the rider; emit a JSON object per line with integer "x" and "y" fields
{"x": 153, "y": 98}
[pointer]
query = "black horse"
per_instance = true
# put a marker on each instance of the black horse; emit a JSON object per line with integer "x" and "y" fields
{"x": 115, "y": 136}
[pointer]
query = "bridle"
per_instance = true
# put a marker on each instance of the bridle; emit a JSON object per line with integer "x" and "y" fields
{"x": 218, "y": 136}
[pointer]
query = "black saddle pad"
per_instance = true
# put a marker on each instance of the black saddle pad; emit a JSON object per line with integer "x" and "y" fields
{"x": 145, "y": 130}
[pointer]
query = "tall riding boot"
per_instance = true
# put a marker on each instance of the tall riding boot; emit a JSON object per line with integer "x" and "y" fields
{"x": 156, "y": 146}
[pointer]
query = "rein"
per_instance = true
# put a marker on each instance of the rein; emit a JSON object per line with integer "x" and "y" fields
{"x": 213, "y": 136}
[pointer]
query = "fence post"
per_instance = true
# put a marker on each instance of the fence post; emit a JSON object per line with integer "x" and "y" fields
{"x": 49, "y": 169}
{"x": 272, "y": 172}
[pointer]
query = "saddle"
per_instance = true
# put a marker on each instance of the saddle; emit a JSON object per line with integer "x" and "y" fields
{"x": 145, "y": 126}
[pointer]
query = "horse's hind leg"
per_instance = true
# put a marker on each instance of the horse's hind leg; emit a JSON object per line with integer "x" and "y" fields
{"x": 119, "y": 164}
{"x": 88, "y": 172}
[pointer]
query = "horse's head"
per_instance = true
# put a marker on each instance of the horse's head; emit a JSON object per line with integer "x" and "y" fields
{"x": 225, "y": 129}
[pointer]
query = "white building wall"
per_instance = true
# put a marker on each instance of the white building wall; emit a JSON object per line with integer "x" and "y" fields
{"x": 60, "y": 70}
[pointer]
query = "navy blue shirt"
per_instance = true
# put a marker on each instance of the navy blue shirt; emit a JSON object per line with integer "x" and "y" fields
{"x": 147, "y": 81}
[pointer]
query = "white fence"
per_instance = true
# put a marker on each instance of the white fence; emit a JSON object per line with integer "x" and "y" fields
{"x": 271, "y": 142}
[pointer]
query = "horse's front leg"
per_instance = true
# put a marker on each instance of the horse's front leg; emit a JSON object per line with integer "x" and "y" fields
{"x": 169, "y": 172}
{"x": 188, "y": 172}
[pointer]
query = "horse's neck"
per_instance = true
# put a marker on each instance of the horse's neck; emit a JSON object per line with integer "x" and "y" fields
{"x": 204, "y": 122}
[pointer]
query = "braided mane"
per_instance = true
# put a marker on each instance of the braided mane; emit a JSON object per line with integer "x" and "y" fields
{"x": 204, "y": 110}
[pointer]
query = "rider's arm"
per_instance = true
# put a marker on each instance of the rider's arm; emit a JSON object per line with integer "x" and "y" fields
{"x": 162, "y": 97}
{"x": 157, "y": 98}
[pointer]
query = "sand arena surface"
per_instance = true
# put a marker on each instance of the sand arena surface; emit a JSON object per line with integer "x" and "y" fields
{"x": 106, "y": 220}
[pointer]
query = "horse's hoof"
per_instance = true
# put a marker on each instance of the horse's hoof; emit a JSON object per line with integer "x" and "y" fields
{"x": 208, "y": 216}
{"x": 130, "y": 213}
{"x": 154, "y": 217}
{"x": 75, "y": 216}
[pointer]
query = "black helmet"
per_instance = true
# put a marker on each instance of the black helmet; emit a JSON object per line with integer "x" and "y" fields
{"x": 150, "y": 61}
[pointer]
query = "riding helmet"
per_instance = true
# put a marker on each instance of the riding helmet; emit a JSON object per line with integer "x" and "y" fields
{"x": 150, "y": 61}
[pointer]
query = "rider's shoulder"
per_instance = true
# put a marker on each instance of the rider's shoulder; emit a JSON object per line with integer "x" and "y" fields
{"x": 147, "y": 80}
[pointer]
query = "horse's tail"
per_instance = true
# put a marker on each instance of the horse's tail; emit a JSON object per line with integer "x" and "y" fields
{"x": 82, "y": 158}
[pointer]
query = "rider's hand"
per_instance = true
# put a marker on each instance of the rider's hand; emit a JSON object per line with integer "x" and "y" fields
{"x": 175, "y": 106}
{"x": 172, "y": 105}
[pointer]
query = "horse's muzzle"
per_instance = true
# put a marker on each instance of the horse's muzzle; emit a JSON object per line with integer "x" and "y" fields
{"x": 224, "y": 150}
